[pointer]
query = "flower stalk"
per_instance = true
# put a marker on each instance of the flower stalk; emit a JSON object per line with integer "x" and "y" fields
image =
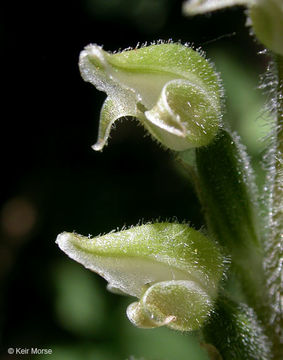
{"x": 236, "y": 331}
{"x": 274, "y": 242}
{"x": 229, "y": 200}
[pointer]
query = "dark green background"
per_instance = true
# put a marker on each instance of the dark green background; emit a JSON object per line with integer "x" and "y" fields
{"x": 53, "y": 181}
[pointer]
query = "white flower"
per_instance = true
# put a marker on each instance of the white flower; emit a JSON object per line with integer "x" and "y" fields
{"x": 171, "y": 268}
{"x": 172, "y": 89}
{"x": 265, "y": 17}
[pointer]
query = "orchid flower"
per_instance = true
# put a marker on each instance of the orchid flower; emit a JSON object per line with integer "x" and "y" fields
{"x": 172, "y": 89}
{"x": 264, "y": 16}
{"x": 171, "y": 268}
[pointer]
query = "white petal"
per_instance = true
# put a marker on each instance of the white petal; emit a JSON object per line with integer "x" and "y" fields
{"x": 185, "y": 116}
{"x": 193, "y": 7}
{"x": 180, "y": 304}
{"x": 112, "y": 110}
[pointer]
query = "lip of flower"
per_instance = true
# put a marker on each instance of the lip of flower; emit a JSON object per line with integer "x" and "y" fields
{"x": 144, "y": 83}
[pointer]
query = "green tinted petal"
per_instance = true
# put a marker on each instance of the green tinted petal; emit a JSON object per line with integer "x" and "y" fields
{"x": 132, "y": 259}
{"x": 111, "y": 111}
{"x": 181, "y": 305}
{"x": 267, "y": 22}
{"x": 185, "y": 116}
{"x": 138, "y": 317}
{"x": 193, "y": 7}
{"x": 171, "y": 61}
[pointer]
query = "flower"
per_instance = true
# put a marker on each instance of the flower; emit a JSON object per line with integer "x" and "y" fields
{"x": 171, "y": 268}
{"x": 170, "y": 88}
{"x": 265, "y": 17}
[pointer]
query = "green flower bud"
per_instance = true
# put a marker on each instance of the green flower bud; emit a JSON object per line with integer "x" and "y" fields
{"x": 170, "y": 88}
{"x": 265, "y": 17}
{"x": 173, "y": 269}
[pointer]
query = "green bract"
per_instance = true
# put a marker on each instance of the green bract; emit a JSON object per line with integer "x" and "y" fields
{"x": 265, "y": 17}
{"x": 170, "y": 88}
{"x": 173, "y": 269}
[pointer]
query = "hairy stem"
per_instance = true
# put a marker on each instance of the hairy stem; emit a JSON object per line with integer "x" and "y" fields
{"x": 228, "y": 196}
{"x": 274, "y": 250}
{"x": 236, "y": 332}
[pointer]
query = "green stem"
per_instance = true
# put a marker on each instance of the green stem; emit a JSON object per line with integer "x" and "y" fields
{"x": 235, "y": 331}
{"x": 274, "y": 261}
{"x": 228, "y": 198}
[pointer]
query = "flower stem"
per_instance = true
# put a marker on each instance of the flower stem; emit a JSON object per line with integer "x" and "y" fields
{"x": 228, "y": 197}
{"x": 274, "y": 248}
{"x": 236, "y": 332}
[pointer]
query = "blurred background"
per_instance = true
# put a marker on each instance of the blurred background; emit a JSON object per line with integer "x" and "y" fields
{"x": 52, "y": 181}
